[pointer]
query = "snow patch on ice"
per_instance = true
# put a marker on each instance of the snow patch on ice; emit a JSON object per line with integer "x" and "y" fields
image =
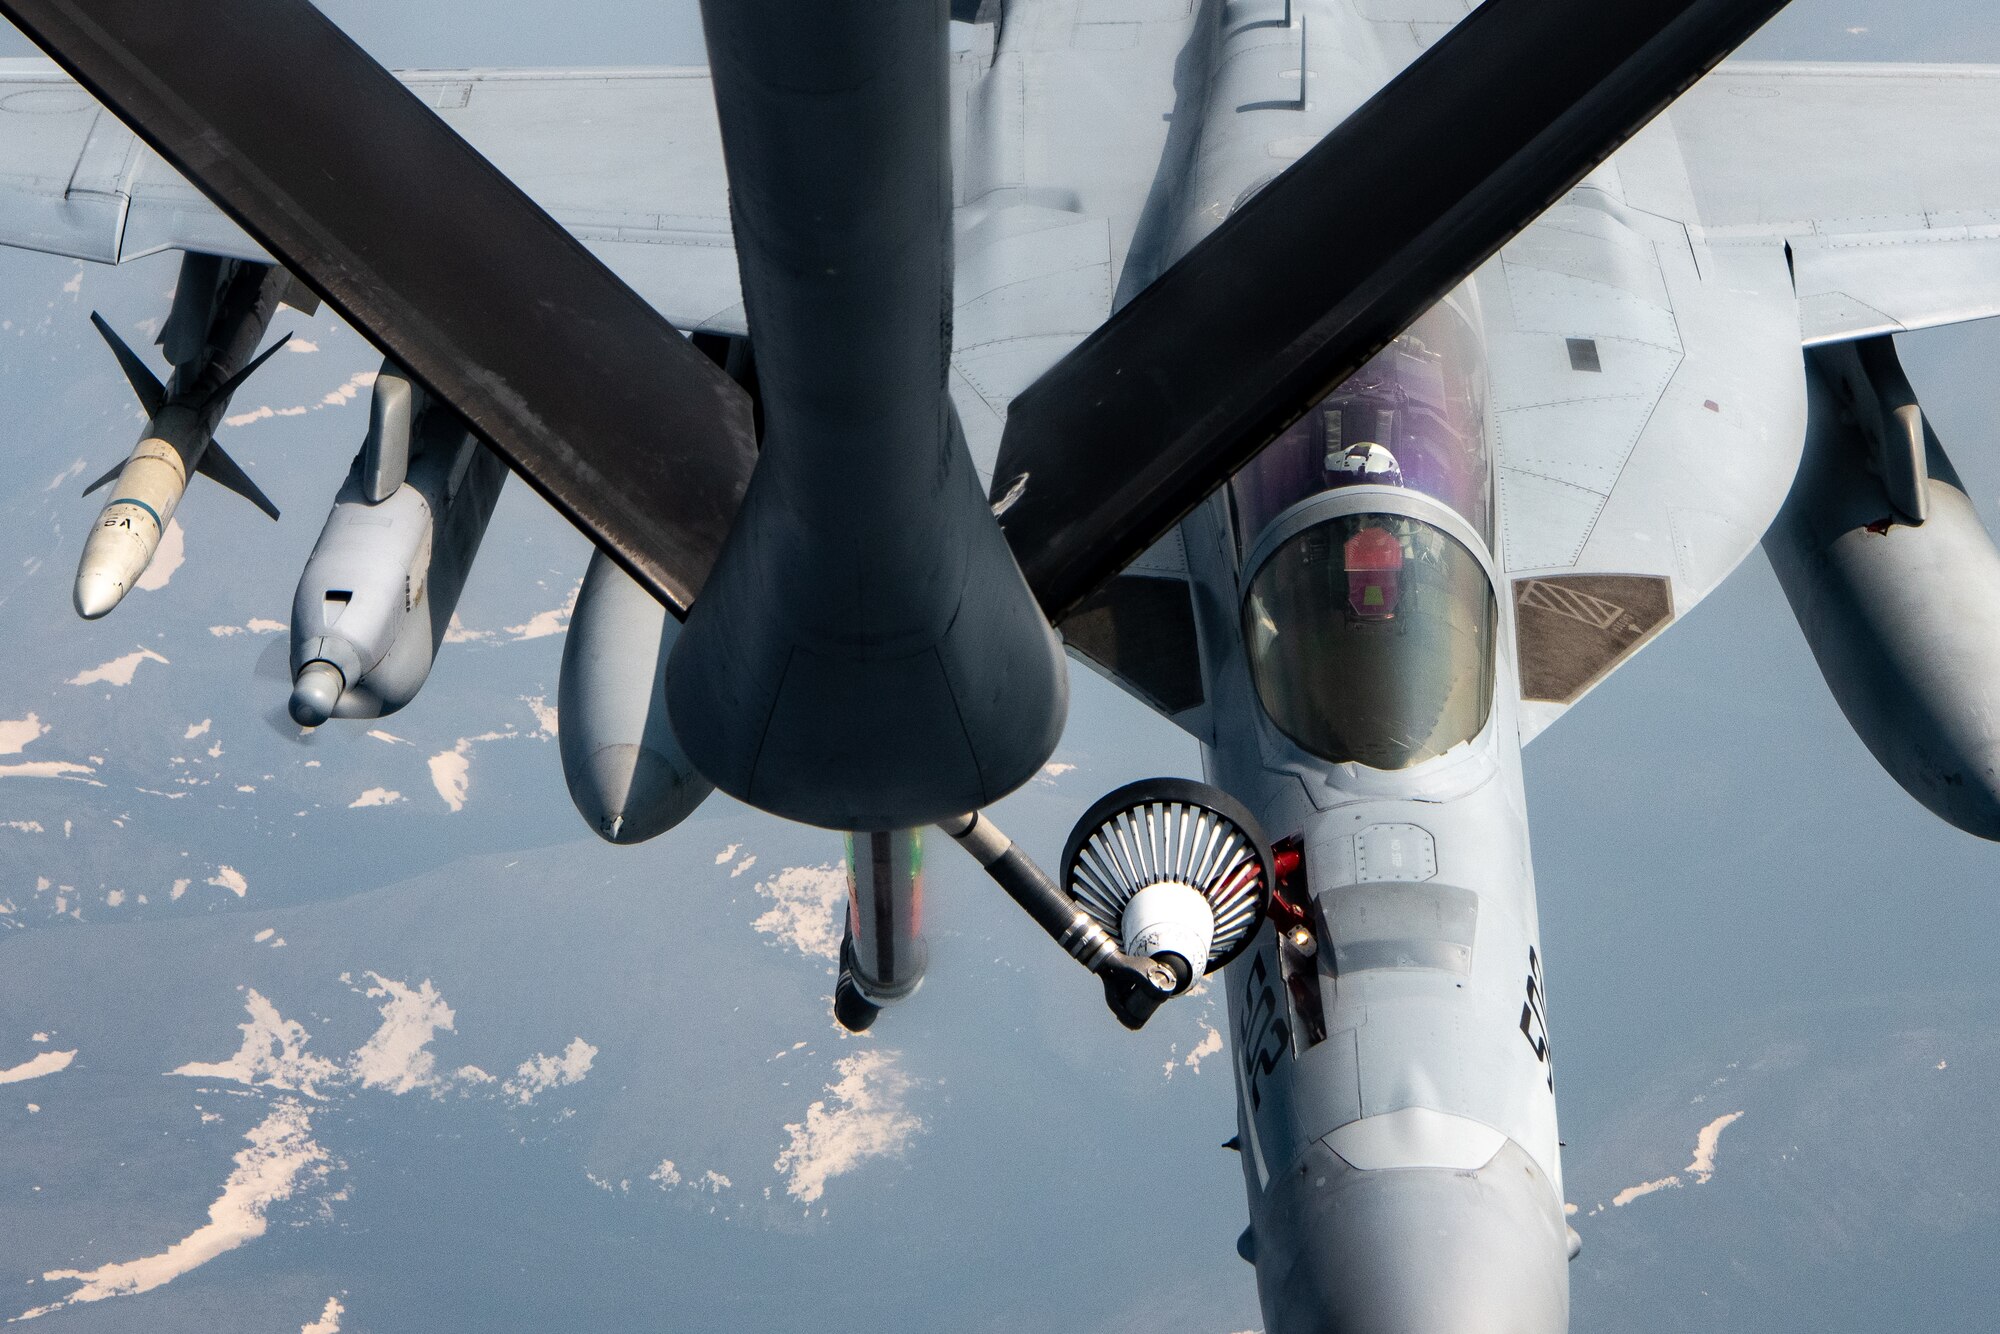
{"x": 551, "y": 622}
{"x": 541, "y": 1072}
{"x": 50, "y": 769}
{"x": 1702, "y": 1169}
{"x": 1644, "y": 1188}
{"x": 17, "y": 733}
{"x": 1210, "y": 1045}
{"x": 117, "y": 672}
{"x": 282, "y": 1158}
{"x": 329, "y": 1316}
{"x": 397, "y": 1057}
{"x": 349, "y": 390}
{"x": 451, "y": 774}
{"x": 806, "y": 908}
{"x": 864, "y": 1116}
{"x": 170, "y": 556}
{"x": 273, "y": 1053}
{"x": 375, "y": 796}
{"x": 231, "y": 879}
{"x": 41, "y": 1063}
{"x": 545, "y": 714}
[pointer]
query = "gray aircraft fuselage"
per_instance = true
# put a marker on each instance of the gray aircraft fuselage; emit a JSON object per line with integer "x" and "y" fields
{"x": 1396, "y": 1094}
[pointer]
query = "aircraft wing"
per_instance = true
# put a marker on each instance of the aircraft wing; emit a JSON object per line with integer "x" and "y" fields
{"x": 1883, "y": 179}
{"x": 1630, "y": 492}
{"x": 629, "y": 161}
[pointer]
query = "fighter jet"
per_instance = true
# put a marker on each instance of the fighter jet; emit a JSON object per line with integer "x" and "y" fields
{"x": 1356, "y": 384}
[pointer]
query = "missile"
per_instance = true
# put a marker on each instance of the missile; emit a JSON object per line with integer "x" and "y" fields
{"x": 378, "y": 591}
{"x": 221, "y": 310}
{"x": 1896, "y": 585}
{"x": 626, "y": 771}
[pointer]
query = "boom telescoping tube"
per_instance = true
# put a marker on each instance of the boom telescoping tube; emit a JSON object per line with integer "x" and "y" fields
{"x": 885, "y": 913}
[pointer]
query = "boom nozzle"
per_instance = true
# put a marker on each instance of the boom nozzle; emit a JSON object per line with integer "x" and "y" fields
{"x": 316, "y": 692}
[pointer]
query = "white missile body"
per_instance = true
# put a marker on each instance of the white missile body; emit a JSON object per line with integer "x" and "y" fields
{"x": 128, "y": 532}
{"x": 379, "y": 589}
{"x": 220, "y": 313}
{"x": 626, "y": 772}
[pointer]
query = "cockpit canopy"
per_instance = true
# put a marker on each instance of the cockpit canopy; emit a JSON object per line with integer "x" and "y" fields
{"x": 1371, "y": 640}
{"x": 1372, "y": 635}
{"x": 1413, "y": 417}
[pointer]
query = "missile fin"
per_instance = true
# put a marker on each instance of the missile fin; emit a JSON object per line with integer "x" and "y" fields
{"x": 234, "y": 382}
{"x": 106, "y": 480}
{"x": 152, "y": 394}
{"x": 219, "y": 467}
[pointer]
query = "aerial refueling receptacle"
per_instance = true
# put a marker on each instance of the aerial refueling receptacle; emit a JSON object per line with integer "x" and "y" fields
{"x": 379, "y": 589}
{"x": 1895, "y": 583}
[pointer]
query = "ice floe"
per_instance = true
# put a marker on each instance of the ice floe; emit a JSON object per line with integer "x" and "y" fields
{"x": 398, "y": 1057}
{"x": 273, "y": 1054}
{"x": 1705, "y": 1143}
{"x": 863, "y": 1116}
{"x": 541, "y": 1072}
{"x": 117, "y": 672}
{"x": 451, "y": 774}
{"x": 36, "y": 1066}
{"x": 281, "y": 1159}
{"x": 17, "y": 733}
{"x": 806, "y": 902}
{"x": 170, "y": 556}
{"x": 329, "y": 1316}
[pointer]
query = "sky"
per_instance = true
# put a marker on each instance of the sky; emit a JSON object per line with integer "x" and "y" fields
{"x": 464, "y": 1064}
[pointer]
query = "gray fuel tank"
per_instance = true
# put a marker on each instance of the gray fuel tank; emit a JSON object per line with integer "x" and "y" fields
{"x": 382, "y": 582}
{"x": 1901, "y": 609}
{"x": 626, "y": 771}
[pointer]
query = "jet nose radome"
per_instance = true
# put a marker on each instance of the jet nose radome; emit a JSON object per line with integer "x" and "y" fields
{"x": 1418, "y": 1250}
{"x": 316, "y": 693}
{"x": 97, "y": 593}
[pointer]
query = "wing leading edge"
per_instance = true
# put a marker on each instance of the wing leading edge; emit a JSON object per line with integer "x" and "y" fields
{"x": 1884, "y": 180}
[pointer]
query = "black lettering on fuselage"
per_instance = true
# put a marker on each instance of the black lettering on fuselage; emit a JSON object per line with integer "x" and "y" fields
{"x": 1263, "y": 1036}
{"x": 1534, "y": 1017}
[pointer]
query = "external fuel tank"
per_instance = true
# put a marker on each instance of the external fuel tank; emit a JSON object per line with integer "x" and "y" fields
{"x": 378, "y": 591}
{"x": 1901, "y": 608}
{"x": 626, "y": 771}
